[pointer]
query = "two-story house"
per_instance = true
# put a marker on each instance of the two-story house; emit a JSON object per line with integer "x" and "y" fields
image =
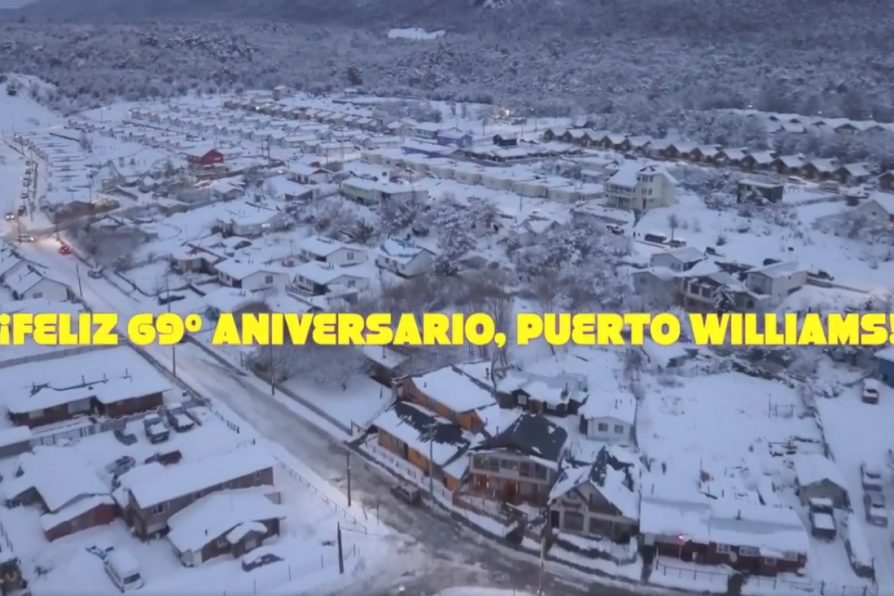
{"x": 559, "y": 395}
{"x": 599, "y": 498}
{"x": 521, "y": 463}
{"x": 773, "y": 283}
{"x": 609, "y": 416}
{"x": 449, "y": 394}
{"x": 330, "y": 253}
{"x": 636, "y": 187}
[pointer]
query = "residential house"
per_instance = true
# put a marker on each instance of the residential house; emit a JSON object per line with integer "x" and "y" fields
{"x": 553, "y": 134}
{"x": 773, "y": 283}
{"x": 599, "y": 498}
{"x": 820, "y": 169}
{"x": 427, "y": 130}
{"x": 226, "y": 522}
{"x": 886, "y": 180}
{"x": 307, "y": 174}
{"x": 114, "y": 382}
{"x": 704, "y": 153}
{"x": 878, "y": 207}
{"x": 884, "y": 359}
{"x": 251, "y": 220}
{"x": 15, "y": 441}
{"x": 717, "y": 291}
{"x": 330, "y": 253}
{"x": 450, "y": 394}
{"x": 521, "y": 463}
{"x": 150, "y": 500}
{"x": 371, "y": 192}
{"x": 752, "y": 189}
{"x": 67, "y": 492}
{"x": 853, "y": 173}
{"x": 404, "y": 258}
{"x": 747, "y": 536}
{"x": 319, "y": 280}
{"x": 503, "y": 140}
{"x": 609, "y": 416}
{"x": 730, "y": 157}
{"x": 559, "y": 395}
{"x": 639, "y": 188}
{"x": 29, "y": 283}
{"x": 434, "y": 445}
{"x": 758, "y": 160}
{"x": 192, "y": 257}
{"x": 818, "y": 477}
{"x": 680, "y": 259}
{"x": 204, "y": 156}
{"x": 454, "y": 137}
{"x": 250, "y": 276}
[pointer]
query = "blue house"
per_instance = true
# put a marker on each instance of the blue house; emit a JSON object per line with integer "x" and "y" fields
{"x": 885, "y": 359}
{"x": 455, "y": 137}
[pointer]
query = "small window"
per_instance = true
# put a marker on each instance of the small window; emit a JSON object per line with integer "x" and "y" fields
{"x": 268, "y": 279}
{"x": 769, "y": 562}
{"x": 160, "y": 508}
{"x": 748, "y": 551}
{"x": 723, "y": 548}
{"x": 34, "y": 414}
{"x": 619, "y": 429}
{"x": 38, "y": 295}
{"x": 603, "y": 427}
{"x": 349, "y": 255}
{"x": 258, "y": 475}
{"x": 524, "y": 469}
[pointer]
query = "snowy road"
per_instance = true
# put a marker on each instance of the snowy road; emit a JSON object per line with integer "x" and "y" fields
{"x": 435, "y": 552}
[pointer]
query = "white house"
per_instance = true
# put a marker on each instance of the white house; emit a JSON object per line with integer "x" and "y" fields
{"x": 879, "y": 207}
{"x": 371, "y": 192}
{"x": 330, "y": 253}
{"x": 28, "y": 283}
{"x": 774, "y": 282}
{"x": 305, "y": 174}
{"x": 404, "y": 258}
{"x": 609, "y": 416}
{"x": 238, "y": 273}
{"x": 318, "y": 280}
{"x": 250, "y": 220}
{"x": 640, "y": 188}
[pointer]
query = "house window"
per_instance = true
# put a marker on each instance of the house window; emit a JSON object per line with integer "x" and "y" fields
{"x": 160, "y": 508}
{"x": 34, "y": 414}
{"x": 769, "y": 561}
{"x": 222, "y": 542}
{"x": 349, "y": 256}
{"x": 352, "y": 283}
{"x": 268, "y": 279}
{"x": 792, "y": 556}
{"x": 619, "y": 429}
{"x": 603, "y": 427}
{"x": 748, "y": 551}
{"x": 258, "y": 475}
{"x": 509, "y": 464}
{"x": 573, "y": 521}
{"x": 522, "y": 399}
{"x": 493, "y": 464}
{"x": 76, "y": 407}
{"x": 540, "y": 472}
{"x": 38, "y": 295}
{"x": 723, "y": 549}
{"x": 524, "y": 469}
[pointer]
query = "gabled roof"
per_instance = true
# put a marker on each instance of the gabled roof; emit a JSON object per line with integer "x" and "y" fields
{"x": 187, "y": 478}
{"x": 453, "y": 389}
{"x": 58, "y": 475}
{"x": 238, "y": 269}
{"x": 812, "y": 468}
{"x": 614, "y": 474}
{"x": 321, "y": 275}
{"x": 885, "y": 200}
{"x": 323, "y": 247}
{"x": 401, "y": 251}
{"x": 217, "y": 514}
{"x": 531, "y": 435}
{"x": 616, "y": 404}
{"x": 417, "y": 428}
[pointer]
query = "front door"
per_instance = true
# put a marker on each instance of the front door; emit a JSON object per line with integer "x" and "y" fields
{"x": 555, "y": 518}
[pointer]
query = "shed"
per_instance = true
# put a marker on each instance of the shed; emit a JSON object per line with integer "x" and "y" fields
{"x": 819, "y": 478}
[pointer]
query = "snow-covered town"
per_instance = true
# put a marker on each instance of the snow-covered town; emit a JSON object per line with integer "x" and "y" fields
{"x": 195, "y": 468}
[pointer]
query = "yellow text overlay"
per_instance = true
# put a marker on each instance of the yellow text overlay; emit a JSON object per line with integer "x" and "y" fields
{"x": 437, "y": 329}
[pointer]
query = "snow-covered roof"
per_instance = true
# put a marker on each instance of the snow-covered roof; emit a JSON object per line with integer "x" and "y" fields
{"x": 886, "y": 354}
{"x": 108, "y": 375}
{"x": 23, "y": 280}
{"x": 323, "y": 247}
{"x": 219, "y": 513}
{"x": 187, "y": 478}
{"x": 320, "y": 274}
{"x": 58, "y": 475}
{"x": 550, "y": 389}
{"x": 14, "y": 435}
{"x": 453, "y": 390}
{"x": 423, "y": 431}
{"x": 124, "y": 563}
{"x": 532, "y": 435}
{"x": 400, "y": 250}
{"x": 885, "y": 200}
{"x": 614, "y": 404}
{"x": 626, "y": 175}
{"x": 375, "y": 185}
{"x": 811, "y": 468}
{"x": 239, "y": 269}
{"x": 614, "y": 474}
{"x": 48, "y": 521}
{"x": 686, "y": 254}
{"x": 774, "y": 531}
{"x": 777, "y": 269}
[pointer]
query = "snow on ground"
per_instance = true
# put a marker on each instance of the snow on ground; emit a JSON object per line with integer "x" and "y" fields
{"x": 415, "y": 34}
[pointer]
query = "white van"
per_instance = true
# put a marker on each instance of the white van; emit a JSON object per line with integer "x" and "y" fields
{"x": 124, "y": 571}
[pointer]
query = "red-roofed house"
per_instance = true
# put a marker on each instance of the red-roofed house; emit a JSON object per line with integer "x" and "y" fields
{"x": 204, "y": 156}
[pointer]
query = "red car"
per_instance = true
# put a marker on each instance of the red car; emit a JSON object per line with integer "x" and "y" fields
{"x": 65, "y": 249}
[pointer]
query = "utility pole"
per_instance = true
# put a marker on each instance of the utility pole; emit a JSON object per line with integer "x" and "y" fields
{"x": 431, "y": 464}
{"x": 173, "y": 346}
{"x": 546, "y": 533}
{"x": 80, "y": 289}
{"x": 341, "y": 560}
{"x": 348, "y": 454}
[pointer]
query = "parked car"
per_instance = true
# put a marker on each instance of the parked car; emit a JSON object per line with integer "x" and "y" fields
{"x": 121, "y": 465}
{"x": 259, "y": 558}
{"x": 95, "y": 273}
{"x": 876, "y": 513}
{"x": 124, "y": 571}
{"x": 65, "y": 249}
{"x": 155, "y": 429}
{"x": 180, "y": 421}
{"x": 125, "y": 437}
{"x": 822, "y": 518}
{"x": 408, "y": 494}
{"x": 168, "y": 298}
{"x": 26, "y": 238}
{"x": 870, "y": 477}
{"x": 870, "y": 391}
{"x": 10, "y": 216}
